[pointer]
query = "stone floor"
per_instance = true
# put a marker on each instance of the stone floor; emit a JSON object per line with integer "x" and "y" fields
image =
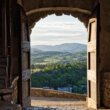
{"x": 56, "y": 108}
{"x": 41, "y": 103}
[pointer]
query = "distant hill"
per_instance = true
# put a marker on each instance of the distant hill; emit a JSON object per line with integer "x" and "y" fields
{"x": 67, "y": 47}
{"x": 43, "y": 54}
{"x": 34, "y": 50}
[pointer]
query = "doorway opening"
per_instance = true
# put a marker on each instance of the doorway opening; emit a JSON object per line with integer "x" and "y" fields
{"x": 59, "y": 56}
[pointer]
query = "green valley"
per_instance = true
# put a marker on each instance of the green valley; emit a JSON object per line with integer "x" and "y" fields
{"x": 55, "y": 69}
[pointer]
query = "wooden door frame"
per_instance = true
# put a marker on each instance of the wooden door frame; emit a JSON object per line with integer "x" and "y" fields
{"x": 97, "y": 16}
{"x": 22, "y": 48}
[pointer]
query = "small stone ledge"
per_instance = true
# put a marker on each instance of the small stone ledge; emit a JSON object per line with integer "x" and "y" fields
{"x": 39, "y": 92}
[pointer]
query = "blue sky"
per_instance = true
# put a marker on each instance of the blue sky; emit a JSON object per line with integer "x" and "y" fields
{"x": 55, "y": 30}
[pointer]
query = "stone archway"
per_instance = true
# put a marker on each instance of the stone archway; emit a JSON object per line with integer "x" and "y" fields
{"x": 35, "y": 17}
{"x": 35, "y": 10}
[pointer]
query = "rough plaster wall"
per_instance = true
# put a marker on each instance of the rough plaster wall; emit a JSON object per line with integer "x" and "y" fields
{"x": 36, "y": 4}
{"x": 105, "y": 53}
{"x": 84, "y": 4}
{"x": 0, "y": 25}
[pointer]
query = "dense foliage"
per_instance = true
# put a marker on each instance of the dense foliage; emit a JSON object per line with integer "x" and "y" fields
{"x": 60, "y": 75}
{"x": 55, "y": 69}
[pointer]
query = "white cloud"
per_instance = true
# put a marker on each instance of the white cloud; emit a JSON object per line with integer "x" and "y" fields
{"x": 58, "y": 31}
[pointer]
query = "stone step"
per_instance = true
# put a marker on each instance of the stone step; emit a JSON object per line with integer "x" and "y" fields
{"x": 11, "y": 107}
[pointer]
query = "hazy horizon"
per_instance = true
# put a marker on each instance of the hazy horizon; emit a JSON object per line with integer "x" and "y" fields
{"x": 56, "y": 30}
{"x": 58, "y": 44}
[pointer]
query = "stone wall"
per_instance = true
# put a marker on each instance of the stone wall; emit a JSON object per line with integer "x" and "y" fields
{"x": 0, "y": 25}
{"x": 11, "y": 95}
{"x": 105, "y": 53}
{"x": 106, "y": 89}
{"x": 38, "y": 92}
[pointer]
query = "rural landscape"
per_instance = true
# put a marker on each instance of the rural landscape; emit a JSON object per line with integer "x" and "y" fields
{"x": 61, "y": 67}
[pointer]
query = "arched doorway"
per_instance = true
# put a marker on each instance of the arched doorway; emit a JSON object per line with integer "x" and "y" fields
{"x": 58, "y": 41}
{"x": 85, "y": 16}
